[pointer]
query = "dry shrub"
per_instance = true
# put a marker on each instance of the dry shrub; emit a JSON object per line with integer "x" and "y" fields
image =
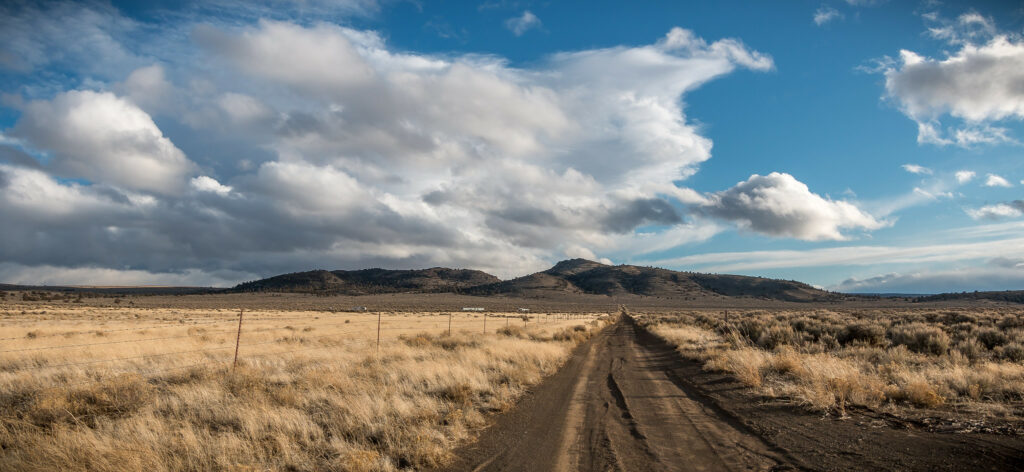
{"x": 991, "y": 337}
{"x": 864, "y": 333}
{"x": 971, "y": 349}
{"x": 778, "y": 335}
{"x": 1013, "y": 352}
{"x": 828, "y": 360}
{"x": 919, "y": 337}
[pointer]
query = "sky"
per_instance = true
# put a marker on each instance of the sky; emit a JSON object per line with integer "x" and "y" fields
{"x": 857, "y": 145}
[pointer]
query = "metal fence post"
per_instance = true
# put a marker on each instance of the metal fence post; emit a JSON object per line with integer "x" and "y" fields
{"x": 378, "y": 331}
{"x": 485, "y": 322}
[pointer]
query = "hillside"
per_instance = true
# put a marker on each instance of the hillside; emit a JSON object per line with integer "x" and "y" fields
{"x": 371, "y": 281}
{"x": 1011, "y": 296}
{"x": 583, "y": 276}
{"x": 575, "y": 276}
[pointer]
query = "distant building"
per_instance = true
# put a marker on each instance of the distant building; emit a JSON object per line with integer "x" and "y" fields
{"x": 524, "y": 310}
{"x": 359, "y": 308}
{"x": 472, "y": 308}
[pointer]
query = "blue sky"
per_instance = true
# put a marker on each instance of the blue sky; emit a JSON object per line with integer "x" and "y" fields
{"x": 868, "y": 146}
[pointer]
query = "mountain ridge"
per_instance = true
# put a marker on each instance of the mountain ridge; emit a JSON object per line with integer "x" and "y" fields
{"x": 572, "y": 276}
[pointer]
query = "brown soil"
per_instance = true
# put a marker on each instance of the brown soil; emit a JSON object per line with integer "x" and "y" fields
{"x": 626, "y": 400}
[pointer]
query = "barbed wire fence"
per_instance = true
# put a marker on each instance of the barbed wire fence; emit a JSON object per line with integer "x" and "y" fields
{"x": 242, "y": 349}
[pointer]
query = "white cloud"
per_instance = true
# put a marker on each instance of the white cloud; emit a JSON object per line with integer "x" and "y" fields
{"x": 777, "y": 204}
{"x": 205, "y": 183}
{"x": 825, "y": 14}
{"x": 994, "y": 180}
{"x": 964, "y": 176}
{"x": 979, "y": 85}
{"x": 998, "y": 211}
{"x": 521, "y": 24}
{"x": 104, "y": 138}
{"x": 916, "y": 169}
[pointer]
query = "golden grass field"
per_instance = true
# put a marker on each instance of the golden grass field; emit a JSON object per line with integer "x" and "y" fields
{"x": 964, "y": 361}
{"x": 124, "y": 388}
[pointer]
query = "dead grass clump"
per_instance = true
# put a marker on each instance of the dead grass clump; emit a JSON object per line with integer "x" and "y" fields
{"x": 917, "y": 392}
{"x": 746, "y": 364}
{"x": 575, "y": 334}
{"x": 512, "y": 332}
{"x": 459, "y": 393}
{"x": 119, "y": 397}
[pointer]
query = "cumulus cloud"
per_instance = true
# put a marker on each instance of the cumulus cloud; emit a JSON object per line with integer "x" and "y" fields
{"x": 993, "y": 180}
{"x": 519, "y": 25}
{"x": 964, "y": 176}
{"x": 331, "y": 149}
{"x": 779, "y": 205}
{"x": 977, "y": 85}
{"x": 103, "y": 138}
{"x": 998, "y": 211}
{"x": 916, "y": 169}
{"x": 825, "y": 14}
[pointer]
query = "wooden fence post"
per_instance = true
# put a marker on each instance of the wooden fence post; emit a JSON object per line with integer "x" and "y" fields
{"x": 378, "y": 331}
{"x": 238, "y": 337}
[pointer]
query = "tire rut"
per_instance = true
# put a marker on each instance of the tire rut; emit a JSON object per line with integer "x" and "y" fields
{"x": 627, "y": 401}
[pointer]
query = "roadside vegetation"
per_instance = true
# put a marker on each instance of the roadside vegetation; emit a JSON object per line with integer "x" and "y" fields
{"x": 309, "y": 398}
{"x": 970, "y": 361}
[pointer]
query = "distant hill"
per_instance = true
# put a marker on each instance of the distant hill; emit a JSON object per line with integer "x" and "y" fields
{"x": 1012, "y": 296}
{"x": 575, "y": 276}
{"x": 583, "y": 276}
{"x": 371, "y": 281}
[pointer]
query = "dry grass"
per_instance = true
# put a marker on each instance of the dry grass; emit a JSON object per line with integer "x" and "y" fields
{"x": 311, "y": 392}
{"x": 963, "y": 360}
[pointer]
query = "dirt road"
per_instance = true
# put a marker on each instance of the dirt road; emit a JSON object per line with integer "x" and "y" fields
{"x": 627, "y": 401}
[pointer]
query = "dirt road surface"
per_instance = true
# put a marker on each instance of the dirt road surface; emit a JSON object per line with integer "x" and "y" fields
{"x": 627, "y": 401}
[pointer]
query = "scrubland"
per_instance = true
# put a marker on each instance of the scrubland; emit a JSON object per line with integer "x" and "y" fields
{"x": 968, "y": 361}
{"x": 120, "y": 388}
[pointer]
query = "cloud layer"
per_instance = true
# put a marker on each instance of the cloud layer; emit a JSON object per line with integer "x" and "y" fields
{"x": 258, "y": 148}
